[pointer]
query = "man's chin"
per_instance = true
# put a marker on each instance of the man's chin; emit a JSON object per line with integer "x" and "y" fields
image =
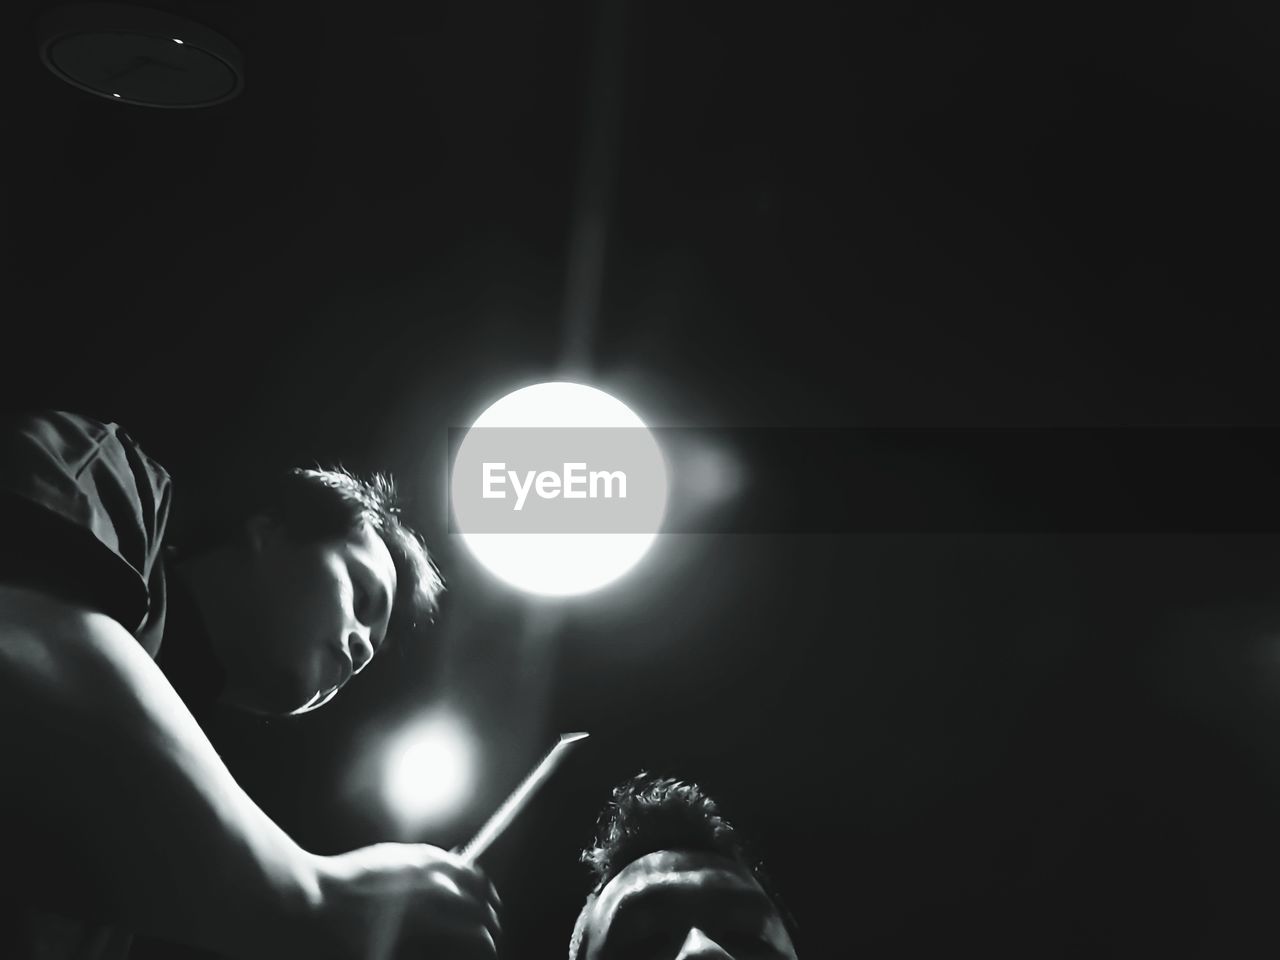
{"x": 316, "y": 702}
{"x": 280, "y": 702}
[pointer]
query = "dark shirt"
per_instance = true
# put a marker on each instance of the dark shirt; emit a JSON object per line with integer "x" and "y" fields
{"x": 83, "y": 513}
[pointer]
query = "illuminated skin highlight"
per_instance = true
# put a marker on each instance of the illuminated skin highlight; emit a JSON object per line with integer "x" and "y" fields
{"x": 681, "y": 905}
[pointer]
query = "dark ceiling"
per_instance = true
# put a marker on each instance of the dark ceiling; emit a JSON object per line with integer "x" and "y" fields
{"x": 875, "y": 214}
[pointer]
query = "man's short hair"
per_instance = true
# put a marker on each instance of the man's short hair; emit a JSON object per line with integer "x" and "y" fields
{"x": 321, "y": 504}
{"x": 648, "y": 813}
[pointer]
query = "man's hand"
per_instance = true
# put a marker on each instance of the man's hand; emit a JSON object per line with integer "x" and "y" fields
{"x": 395, "y": 900}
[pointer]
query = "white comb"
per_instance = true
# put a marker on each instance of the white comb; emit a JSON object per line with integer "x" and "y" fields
{"x": 520, "y": 796}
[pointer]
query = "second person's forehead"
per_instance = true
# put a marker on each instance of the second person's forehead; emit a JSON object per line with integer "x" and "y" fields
{"x": 664, "y": 876}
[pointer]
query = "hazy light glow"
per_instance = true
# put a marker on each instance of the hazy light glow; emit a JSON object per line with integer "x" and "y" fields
{"x": 712, "y": 475}
{"x": 559, "y": 564}
{"x": 176, "y": 40}
{"x": 430, "y": 771}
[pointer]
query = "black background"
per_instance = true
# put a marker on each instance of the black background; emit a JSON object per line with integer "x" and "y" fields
{"x": 847, "y": 215}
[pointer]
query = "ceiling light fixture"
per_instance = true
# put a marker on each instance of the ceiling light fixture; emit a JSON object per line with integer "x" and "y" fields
{"x": 140, "y": 56}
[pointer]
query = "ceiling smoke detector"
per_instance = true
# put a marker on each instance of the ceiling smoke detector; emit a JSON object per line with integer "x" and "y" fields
{"x": 136, "y": 55}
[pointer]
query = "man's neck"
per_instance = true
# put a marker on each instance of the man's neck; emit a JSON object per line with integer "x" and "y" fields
{"x": 214, "y": 581}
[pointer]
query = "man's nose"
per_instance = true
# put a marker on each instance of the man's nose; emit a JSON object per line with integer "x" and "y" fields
{"x": 698, "y": 946}
{"x": 361, "y": 649}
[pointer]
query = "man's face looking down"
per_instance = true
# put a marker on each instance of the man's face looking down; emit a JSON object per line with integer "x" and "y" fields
{"x": 313, "y": 615}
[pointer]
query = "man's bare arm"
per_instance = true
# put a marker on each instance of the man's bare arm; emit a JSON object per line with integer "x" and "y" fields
{"x": 162, "y": 836}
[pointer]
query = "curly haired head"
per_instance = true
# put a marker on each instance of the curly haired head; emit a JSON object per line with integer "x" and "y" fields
{"x": 647, "y": 814}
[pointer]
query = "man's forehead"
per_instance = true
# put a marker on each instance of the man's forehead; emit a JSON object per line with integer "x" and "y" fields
{"x": 367, "y": 544}
{"x": 669, "y": 871}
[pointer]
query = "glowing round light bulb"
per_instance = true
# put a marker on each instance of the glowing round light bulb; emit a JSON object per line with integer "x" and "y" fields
{"x": 565, "y": 563}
